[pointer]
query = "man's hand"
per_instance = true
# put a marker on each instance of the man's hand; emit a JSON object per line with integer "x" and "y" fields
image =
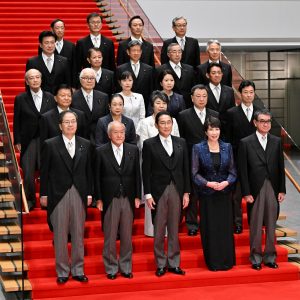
{"x": 281, "y": 197}
{"x": 137, "y": 202}
{"x": 186, "y": 200}
{"x": 249, "y": 198}
{"x": 151, "y": 203}
{"x": 99, "y": 205}
{"x": 44, "y": 201}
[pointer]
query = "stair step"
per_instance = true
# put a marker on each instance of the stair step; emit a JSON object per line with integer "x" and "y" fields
{"x": 10, "y": 247}
{"x": 15, "y": 285}
{"x": 12, "y": 265}
{"x": 292, "y": 248}
{"x": 10, "y": 230}
{"x": 8, "y": 213}
{"x": 7, "y": 197}
{"x": 5, "y": 183}
{"x": 285, "y": 232}
{"x": 2, "y": 155}
{"x": 3, "y": 169}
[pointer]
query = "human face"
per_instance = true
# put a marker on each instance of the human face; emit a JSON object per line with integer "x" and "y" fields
{"x": 214, "y": 51}
{"x": 59, "y": 30}
{"x": 215, "y": 75}
{"x": 164, "y": 126}
{"x": 117, "y": 134}
{"x": 126, "y": 84}
{"x": 247, "y": 95}
{"x": 263, "y": 124}
{"x": 167, "y": 83}
{"x": 95, "y": 59}
{"x": 213, "y": 134}
{"x": 69, "y": 125}
{"x": 175, "y": 54}
{"x": 135, "y": 53}
{"x": 180, "y": 27}
{"x": 199, "y": 98}
{"x": 159, "y": 105}
{"x": 88, "y": 80}
{"x": 48, "y": 45}
{"x": 136, "y": 28}
{"x": 95, "y": 25}
{"x": 34, "y": 80}
{"x": 116, "y": 107}
{"x": 63, "y": 98}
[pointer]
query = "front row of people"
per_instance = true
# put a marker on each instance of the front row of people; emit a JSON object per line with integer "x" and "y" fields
{"x": 67, "y": 187}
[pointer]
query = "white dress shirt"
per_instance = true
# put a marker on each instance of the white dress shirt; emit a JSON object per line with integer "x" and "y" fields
{"x": 49, "y": 64}
{"x": 263, "y": 139}
{"x": 167, "y": 144}
{"x": 201, "y": 114}
{"x": 181, "y": 41}
{"x": 176, "y": 68}
{"x": 59, "y": 45}
{"x": 70, "y": 145}
{"x": 88, "y": 98}
{"x": 249, "y": 112}
{"x": 216, "y": 89}
{"x": 135, "y": 67}
{"x": 118, "y": 152}
{"x": 96, "y": 40}
{"x": 37, "y": 99}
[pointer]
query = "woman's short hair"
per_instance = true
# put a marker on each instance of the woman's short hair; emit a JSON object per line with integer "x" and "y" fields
{"x": 113, "y": 96}
{"x": 158, "y": 95}
{"x": 213, "y": 122}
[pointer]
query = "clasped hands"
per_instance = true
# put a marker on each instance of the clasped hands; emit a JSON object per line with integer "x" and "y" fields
{"x": 217, "y": 186}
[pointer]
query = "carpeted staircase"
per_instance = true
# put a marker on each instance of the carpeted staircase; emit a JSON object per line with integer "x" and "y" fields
{"x": 20, "y": 24}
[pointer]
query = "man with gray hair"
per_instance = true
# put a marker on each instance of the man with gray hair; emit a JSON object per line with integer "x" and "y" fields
{"x": 118, "y": 192}
{"x": 93, "y": 103}
{"x": 190, "y": 46}
{"x": 213, "y": 50}
{"x": 28, "y": 108}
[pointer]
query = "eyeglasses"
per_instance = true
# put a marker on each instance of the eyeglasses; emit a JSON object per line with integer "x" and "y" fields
{"x": 69, "y": 122}
{"x": 180, "y": 25}
{"x": 265, "y": 121}
{"x": 175, "y": 51}
{"x": 88, "y": 78}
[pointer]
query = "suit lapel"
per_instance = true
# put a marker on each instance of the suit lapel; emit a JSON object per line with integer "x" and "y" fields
{"x": 112, "y": 159}
{"x": 66, "y": 158}
{"x": 45, "y": 103}
{"x": 78, "y": 151}
{"x": 30, "y": 102}
{"x": 258, "y": 148}
{"x": 213, "y": 103}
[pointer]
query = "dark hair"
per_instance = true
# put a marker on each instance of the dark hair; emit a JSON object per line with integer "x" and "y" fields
{"x": 212, "y": 122}
{"x": 92, "y": 15}
{"x": 63, "y": 113}
{"x": 162, "y": 75}
{"x": 246, "y": 83}
{"x": 62, "y": 86}
{"x": 134, "y": 43}
{"x": 213, "y": 64}
{"x": 44, "y": 34}
{"x": 56, "y": 21}
{"x": 262, "y": 111}
{"x": 162, "y": 113}
{"x": 133, "y": 18}
{"x": 198, "y": 87}
{"x": 125, "y": 75}
{"x": 158, "y": 95}
{"x": 113, "y": 96}
{"x": 89, "y": 53}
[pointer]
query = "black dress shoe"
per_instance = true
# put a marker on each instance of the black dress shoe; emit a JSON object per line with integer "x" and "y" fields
{"x": 256, "y": 267}
{"x": 192, "y": 232}
{"x": 160, "y": 272}
{"x": 111, "y": 276}
{"x": 271, "y": 265}
{"x": 238, "y": 229}
{"x": 176, "y": 270}
{"x": 127, "y": 275}
{"x": 62, "y": 280}
{"x": 81, "y": 278}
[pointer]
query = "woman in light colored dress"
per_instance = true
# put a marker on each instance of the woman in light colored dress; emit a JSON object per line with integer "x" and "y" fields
{"x": 145, "y": 130}
{"x": 134, "y": 106}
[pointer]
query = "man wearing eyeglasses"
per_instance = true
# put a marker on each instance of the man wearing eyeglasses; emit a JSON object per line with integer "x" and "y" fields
{"x": 183, "y": 73}
{"x": 66, "y": 189}
{"x": 93, "y": 103}
{"x": 262, "y": 177}
{"x": 97, "y": 40}
{"x": 190, "y": 46}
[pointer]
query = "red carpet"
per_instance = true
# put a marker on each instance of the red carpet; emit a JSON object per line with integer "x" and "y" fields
{"x": 20, "y": 24}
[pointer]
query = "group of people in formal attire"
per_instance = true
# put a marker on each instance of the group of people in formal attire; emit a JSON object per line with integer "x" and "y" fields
{"x": 120, "y": 135}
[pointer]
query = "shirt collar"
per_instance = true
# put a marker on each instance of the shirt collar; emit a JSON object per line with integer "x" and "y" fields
{"x": 85, "y": 93}
{"x": 66, "y": 140}
{"x": 95, "y": 36}
{"x": 198, "y": 110}
{"x": 173, "y": 65}
{"x": 39, "y": 93}
{"x": 132, "y": 63}
{"x": 114, "y": 147}
{"x": 244, "y": 107}
{"x": 178, "y": 39}
{"x": 162, "y": 139}
{"x": 135, "y": 39}
{"x": 45, "y": 57}
{"x": 212, "y": 86}
{"x": 61, "y": 110}
{"x": 259, "y": 136}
